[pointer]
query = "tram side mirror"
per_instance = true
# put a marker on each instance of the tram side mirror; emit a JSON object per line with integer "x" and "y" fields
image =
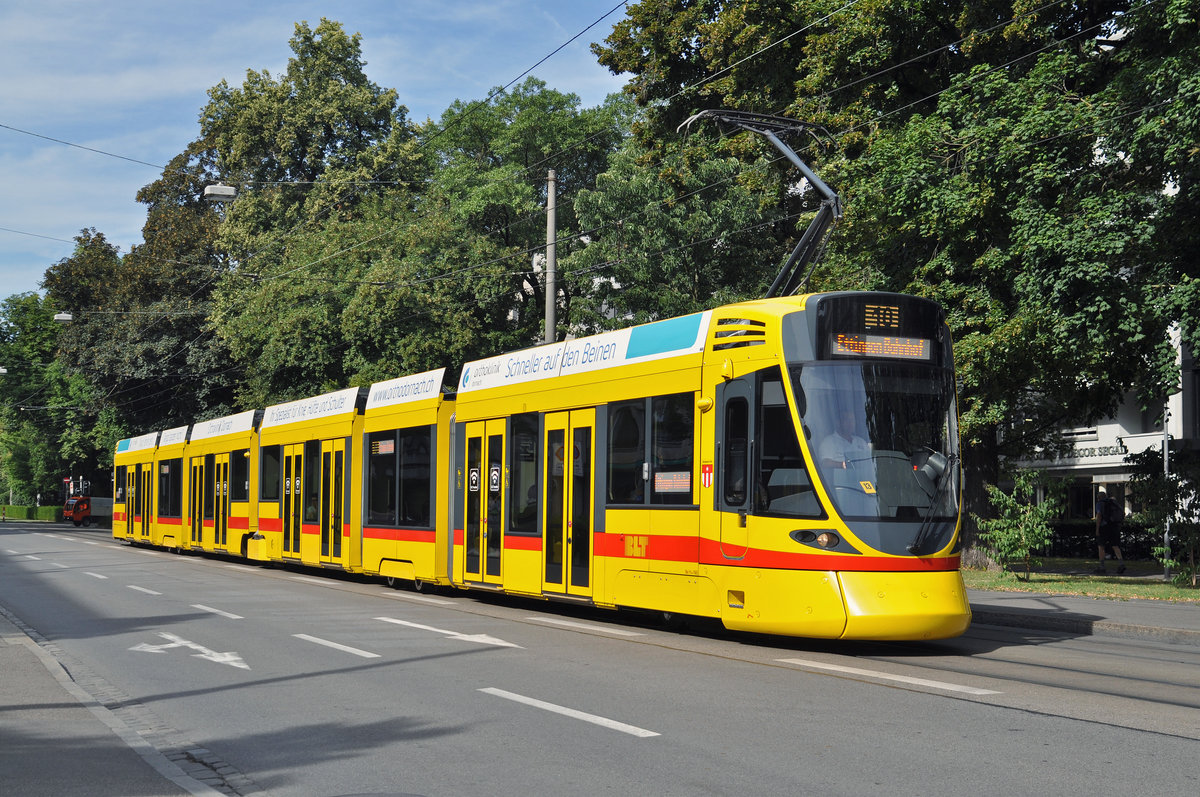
{"x": 929, "y": 474}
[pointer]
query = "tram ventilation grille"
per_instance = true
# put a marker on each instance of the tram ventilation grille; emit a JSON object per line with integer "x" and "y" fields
{"x": 736, "y": 333}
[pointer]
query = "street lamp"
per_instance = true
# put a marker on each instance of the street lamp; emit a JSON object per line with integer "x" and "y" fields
{"x": 220, "y": 193}
{"x": 63, "y": 318}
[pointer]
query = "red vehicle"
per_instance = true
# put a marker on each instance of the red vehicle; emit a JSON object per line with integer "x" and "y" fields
{"x": 82, "y": 508}
{"x": 78, "y": 509}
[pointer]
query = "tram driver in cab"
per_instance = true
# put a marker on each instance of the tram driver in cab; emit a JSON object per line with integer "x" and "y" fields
{"x": 841, "y": 449}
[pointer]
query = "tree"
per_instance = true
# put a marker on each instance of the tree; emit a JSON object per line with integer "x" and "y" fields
{"x": 1170, "y": 497}
{"x": 1001, "y": 160}
{"x": 307, "y": 149}
{"x": 692, "y": 223}
{"x": 495, "y": 158}
{"x": 455, "y": 282}
{"x": 46, "y": 416}
{"x": 303, "y": 144}
{"x": 1021, "y": 525}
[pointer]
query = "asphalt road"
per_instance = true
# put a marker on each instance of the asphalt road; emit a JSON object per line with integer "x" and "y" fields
{"x": 301, "y": 683}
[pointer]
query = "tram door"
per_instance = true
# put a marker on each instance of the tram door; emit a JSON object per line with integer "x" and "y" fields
{"x": 569, "y": 501}
{"x": 196, "y": 501}
{"x": 293, "y": 498}
{"x": 130, "y": 499}
{"x": 145, "y": 505}
{"x": 220, "y": 504}
{"x": 736, "y": 453}
{"x": 333, "y": 482}
{"x": 485, "y": 501}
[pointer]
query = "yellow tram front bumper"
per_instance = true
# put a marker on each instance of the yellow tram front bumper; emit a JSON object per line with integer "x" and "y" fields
{"x": 904, "y": 606}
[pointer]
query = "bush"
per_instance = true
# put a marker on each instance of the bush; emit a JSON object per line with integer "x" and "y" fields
{"x": 33, "y": 512}
{"x": 1021, "y": 527}
{"x": 49, "y": 513}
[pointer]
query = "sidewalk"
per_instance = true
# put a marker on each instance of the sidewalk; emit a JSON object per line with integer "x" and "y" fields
{"x": 57, "y": 741}
{"x": 1143, "y": 619}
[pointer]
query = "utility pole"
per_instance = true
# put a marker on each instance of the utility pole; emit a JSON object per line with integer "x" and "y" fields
{"x": 1166, "y": 445}
{"x": 551, "y": 238}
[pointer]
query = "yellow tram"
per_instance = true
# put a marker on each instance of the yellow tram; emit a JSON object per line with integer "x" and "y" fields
{"x": 787, "y": 466}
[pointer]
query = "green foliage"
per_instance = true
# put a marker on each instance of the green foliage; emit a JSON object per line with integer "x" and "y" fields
{"x": 1173, "y": 497}
{"x": 1021, "y": 525}
{"x": 42, "y": 418}
{"x": 691, "y": 223}
{"x": 1033, "y": 168}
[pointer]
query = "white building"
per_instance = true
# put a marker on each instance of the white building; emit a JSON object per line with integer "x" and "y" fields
{"x": 1096, "y": 459}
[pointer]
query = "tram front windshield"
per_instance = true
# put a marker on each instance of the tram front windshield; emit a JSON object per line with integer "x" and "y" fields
{"x": 884, "y": 437}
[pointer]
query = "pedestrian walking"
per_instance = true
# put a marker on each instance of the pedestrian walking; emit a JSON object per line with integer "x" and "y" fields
{"x": 1109, "y": 516}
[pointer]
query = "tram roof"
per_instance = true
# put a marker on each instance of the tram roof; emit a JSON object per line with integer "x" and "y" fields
{"x": 659, "y": 340}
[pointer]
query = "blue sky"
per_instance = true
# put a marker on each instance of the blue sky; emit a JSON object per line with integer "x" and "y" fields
{"x": 130, "y": 78}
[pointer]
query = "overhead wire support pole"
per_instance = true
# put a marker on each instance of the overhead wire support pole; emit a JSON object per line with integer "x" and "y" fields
{"x": 551, "y": 264}
{"x": 808, "y": 250}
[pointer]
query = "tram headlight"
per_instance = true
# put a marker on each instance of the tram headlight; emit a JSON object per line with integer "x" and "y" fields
{"x": 822, "y": 538}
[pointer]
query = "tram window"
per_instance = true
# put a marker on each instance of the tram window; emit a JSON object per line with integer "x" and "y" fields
{"x": 381, "y": 478}
{"x": 661, "y": 460}
{"x": 312, "y": 481}
{"x": 119, "y": 483}
{"x": 400, "y": 477}
{"x": 523, "y": 470}
{"x": 170, "y": 488}
{"x": 210, "y": 476}
{"x": 627, "y": 452}
{"x": 737, "y": 450}
{"x": 239, "y": 475}
{"x": 268, "y": 476}
{"x": 672, "y": 444}
{"x": 783, "y": 477}
{"x": 416, "y": 475}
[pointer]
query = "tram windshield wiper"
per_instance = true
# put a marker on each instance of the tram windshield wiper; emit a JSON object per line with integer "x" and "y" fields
{"x": 936, "y": 471}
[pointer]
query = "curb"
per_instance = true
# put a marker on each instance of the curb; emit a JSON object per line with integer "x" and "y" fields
{"x": 1083, "y": 627}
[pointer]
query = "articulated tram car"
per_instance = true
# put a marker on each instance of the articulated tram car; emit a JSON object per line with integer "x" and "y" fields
{"x": 788, "y": 466}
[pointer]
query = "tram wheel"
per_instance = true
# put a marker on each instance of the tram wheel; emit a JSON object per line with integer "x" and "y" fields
{"x": 673, "y": 621}
{"x": 392, "y": 582}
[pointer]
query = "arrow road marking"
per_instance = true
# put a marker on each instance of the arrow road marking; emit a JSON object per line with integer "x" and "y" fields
{"x": 482, "y": 639}
{"x": 173, "y": 641}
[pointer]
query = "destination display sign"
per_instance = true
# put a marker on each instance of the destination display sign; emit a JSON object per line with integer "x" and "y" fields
{"x": 881, "y": 327}
{"x": 856, "y": 345}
